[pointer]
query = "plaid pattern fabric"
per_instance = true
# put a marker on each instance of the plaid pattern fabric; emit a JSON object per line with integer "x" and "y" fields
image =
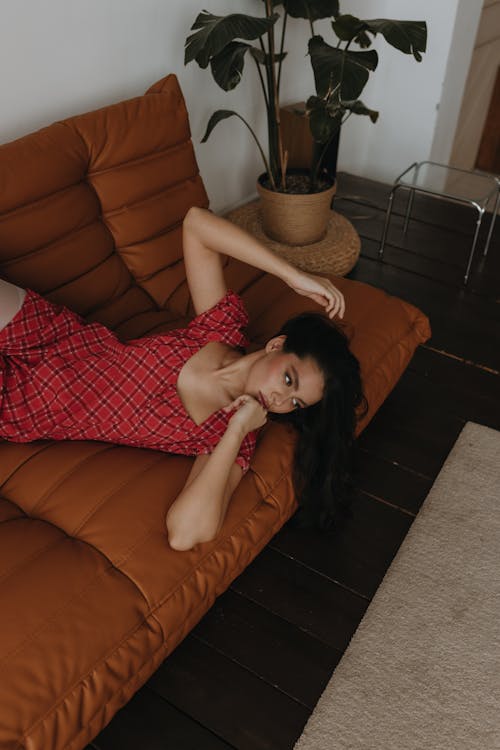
{"x": 66, "y": 379}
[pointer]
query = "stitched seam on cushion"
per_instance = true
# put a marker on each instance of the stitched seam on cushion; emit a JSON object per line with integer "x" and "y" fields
{"x": 114, "y": 491}
{"x": 227, "y": 580}
{"x": 153, "y": 612}
{"x": 28, "y": 206}
{"x": 150, "y": 331}
{"x": 53, "y": 244}
{"x": 88, "y": 270}
{"x": 177, "y": 146}
{"x": 20, "y": 466}
{"x": 69, "y": 473}
{"x": 33, "y": 556}
{"x": 57, "y": 612}
{"x": 270, "y": 489}
{"x": 157, "y": 195}
{"x": 140, "y": 278}
{"x": 95, "y": 667}
{"x": 102, "y": 661}
{"x": 161, "y": 269}
{"x": 134, "y": 285}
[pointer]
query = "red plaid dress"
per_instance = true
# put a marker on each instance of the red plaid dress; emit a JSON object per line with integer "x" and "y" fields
{"x": 65, "y": 379}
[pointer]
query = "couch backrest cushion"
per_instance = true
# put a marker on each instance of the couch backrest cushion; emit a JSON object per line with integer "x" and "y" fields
{"x": 91, "y": 207}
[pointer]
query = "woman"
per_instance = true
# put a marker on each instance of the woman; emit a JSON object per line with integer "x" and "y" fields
{"x": 189, "y": 391}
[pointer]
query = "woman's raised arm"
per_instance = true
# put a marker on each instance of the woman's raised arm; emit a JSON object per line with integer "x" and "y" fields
{"x": 206, "y": 237}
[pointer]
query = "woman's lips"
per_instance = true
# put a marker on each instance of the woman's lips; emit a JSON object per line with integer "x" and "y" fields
{"x": 263, "y": 401}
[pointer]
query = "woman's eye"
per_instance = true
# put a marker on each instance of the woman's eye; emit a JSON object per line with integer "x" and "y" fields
{"x": 288, "y": 379}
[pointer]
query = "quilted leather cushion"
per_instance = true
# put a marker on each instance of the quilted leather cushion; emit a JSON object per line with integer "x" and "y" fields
{"x": 91, "y": 595}
{"x": 91, "y": 208}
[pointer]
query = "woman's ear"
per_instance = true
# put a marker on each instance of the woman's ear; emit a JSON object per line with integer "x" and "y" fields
{"x": 275, "y": 344}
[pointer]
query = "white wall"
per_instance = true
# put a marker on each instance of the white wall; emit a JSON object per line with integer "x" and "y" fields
{"x": 457, "y": 69}
{"x": 418, "y": 102}
{"x": 62, "y": 57}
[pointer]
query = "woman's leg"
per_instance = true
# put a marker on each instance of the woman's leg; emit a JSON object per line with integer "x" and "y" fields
{"x": 11, "y": 301}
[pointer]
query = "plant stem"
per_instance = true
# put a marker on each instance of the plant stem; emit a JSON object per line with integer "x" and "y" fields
{"x": 266, "y": 165}
{"x": 262, "y": 84}
{"x": 273, "y": 96}
{"x": 281, "y": 49}
{"x": 314, "y": 177}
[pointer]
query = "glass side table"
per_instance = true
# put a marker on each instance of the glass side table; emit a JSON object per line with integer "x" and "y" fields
{"x": 461, "y": 185}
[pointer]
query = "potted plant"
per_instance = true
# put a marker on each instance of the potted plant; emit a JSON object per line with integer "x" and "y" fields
{"x": 340, "y": 75}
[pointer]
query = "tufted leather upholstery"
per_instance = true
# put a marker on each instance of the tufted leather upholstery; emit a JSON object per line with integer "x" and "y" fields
{"x": 92, "y": 598}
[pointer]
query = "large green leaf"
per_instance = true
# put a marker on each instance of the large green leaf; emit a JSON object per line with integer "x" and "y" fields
{"x": 312, "y": 9}
{"x": 221, "y": 114}
{"x": 227, "y": 65}
{"x": 334, "y": 67}
{"x": 215, "y": 32}
{"x": 348, "y": 27}
{"x": 325, "y": 115}
{"x": 358, "y": 108}
{"x": 409, "y": 37}
{"x": 323, "y": 121}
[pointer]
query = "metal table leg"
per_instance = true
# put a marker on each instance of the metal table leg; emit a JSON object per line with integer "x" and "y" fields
{"x": 492, "y": 223}
{"x": 386, "y": 224}
{"x": 474, "y": 241}
{"x": 408, "y": 210}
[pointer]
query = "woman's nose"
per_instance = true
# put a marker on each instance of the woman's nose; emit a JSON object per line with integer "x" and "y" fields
{"x": 280, "y": 399}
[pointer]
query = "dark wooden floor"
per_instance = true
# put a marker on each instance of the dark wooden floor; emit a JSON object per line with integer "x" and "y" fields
{"x": 251, "y": 672}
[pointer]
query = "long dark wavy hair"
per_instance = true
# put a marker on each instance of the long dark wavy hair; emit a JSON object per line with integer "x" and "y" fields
{"x": 324, "y": 455}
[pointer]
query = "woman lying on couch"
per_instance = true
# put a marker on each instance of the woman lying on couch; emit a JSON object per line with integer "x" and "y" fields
{"x": 191, "y": 391}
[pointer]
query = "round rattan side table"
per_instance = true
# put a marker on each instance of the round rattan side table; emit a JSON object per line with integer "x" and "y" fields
{"x": 337, "y": 253}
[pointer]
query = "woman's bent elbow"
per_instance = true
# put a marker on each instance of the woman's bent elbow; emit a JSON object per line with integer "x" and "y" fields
{"x": 183, "y": 544}
{"x": 180, "y": 544}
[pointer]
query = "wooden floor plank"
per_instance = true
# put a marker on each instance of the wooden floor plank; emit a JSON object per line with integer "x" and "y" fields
{"x": 268, "y": 646}
{"x": 412, "y": 427}
{"x": 442, "y": 255}
{"x": 296, "y": 593}
{"x": 462, "y": 388}
{"x": 427, "y": 209}
{"x": 224, "y": 697}
{"x": 358, "y": 553}
{"x": 390, "y": 483}
{"x": 148, "y": 722}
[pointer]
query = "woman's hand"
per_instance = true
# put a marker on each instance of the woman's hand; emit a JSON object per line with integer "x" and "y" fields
{"x": 249, "y": 415}
{"x": 321, "y": 290}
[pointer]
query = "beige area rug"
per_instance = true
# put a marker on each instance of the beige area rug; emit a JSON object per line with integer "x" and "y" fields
{"x": 422, "y": 671}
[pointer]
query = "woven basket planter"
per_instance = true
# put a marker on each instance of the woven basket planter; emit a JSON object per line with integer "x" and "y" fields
{"x": 295, "y": 219}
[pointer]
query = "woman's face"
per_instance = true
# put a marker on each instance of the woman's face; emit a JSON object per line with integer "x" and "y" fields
{"x": 282, "y": 381}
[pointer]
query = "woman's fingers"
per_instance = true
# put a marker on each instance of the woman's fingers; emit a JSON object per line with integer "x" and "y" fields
{"x": 335, "y": 300}
{"x": 236, "y": 403}
{"x": 323, "y": 292}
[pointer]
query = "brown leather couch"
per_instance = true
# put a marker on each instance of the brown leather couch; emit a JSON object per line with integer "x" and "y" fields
{"x": 92, "y": 598}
